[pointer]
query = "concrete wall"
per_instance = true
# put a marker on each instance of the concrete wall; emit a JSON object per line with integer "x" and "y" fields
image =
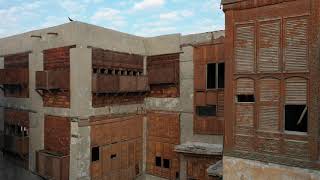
{"x": 236, "y": 168}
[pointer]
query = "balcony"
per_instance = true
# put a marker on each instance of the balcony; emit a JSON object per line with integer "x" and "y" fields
{"x": 102, "y": 83}
{"x": 14, "y": 76}
{"x": 53, "y": 80}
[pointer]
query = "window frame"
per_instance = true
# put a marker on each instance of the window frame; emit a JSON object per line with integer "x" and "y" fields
{"x": 216, "y": 67}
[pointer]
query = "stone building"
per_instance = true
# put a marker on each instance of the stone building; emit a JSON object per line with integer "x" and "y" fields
{"x": 272, "y": 87}
{"x": 84, "y": 102}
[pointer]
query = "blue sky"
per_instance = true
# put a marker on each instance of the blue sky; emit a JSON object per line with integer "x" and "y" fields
{"x": 139, "y": 17}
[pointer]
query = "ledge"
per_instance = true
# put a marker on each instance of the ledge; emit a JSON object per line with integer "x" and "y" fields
{"x": 199, "y": 148}
{"x": 216, "y": 170}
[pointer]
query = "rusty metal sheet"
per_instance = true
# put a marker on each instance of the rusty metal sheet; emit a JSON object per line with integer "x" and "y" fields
{"x": 59, "y": 79}
{"x": 245, "y": 48}
{"x": 162, "y": 75}
{"x": 269, "y": 46}
{"x": 296, "y": 44}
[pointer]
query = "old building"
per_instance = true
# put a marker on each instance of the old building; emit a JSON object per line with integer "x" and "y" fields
{"x": 272, "y": 88}
{"x": 84, "y": 102}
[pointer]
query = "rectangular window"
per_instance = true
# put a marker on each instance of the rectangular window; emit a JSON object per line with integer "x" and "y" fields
{"x": 95, "y": 154}
{"x": 158, "y": 161}
{"x": 296, "y": 118}
{"x": 210, "y": 110}
{"x": 166, "y": 163}
{"x": 245, "y": 98}
{"x": 215, "y": 75}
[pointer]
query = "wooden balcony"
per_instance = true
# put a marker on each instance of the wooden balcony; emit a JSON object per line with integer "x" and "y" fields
{"x": 102, "y": 83}
{"x": 53, "y": 80}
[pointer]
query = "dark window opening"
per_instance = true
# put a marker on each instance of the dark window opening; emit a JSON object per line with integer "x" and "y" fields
{"x": 210, "y": 110}
{"x": 113, "y": 156}
{"x": 221, "y": 75}
{"x": 177, "y": 175}
{"x": 137, "y": 169}
{"x": 245, "y": 98}
{"x": 211, "y": 76}
{"x": 95, "y": 154}
{"x": 166, "y": 163}
{"x": 215, "y": 75}
{"x": 158, "y": 161}
{"x": 296, "y": 118}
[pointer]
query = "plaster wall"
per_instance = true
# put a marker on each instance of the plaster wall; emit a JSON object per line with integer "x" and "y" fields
{"x": 236, "y": 168}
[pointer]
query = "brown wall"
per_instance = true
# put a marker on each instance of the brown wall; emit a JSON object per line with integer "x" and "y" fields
{"x": 116, "y": 63}
{"x": 57, "y": 59}
{"x": 163, "y": 74}
{"x": 204, "y": 54}
{"x": 271, "y": 55}
{"x": 163, "y": 134}
{"x": 120, "y": 137}
{"x": 14, "y": 62}
{"x": 57, "y": 134}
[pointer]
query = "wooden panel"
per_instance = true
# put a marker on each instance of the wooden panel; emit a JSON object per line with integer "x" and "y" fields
{"x": 200, "y": 98}
{"x": 244, "y": 48}
{"x": 269, "y": 117}
{"x": 269, "y": 90}
{"x": 197, "y": 166}
{"x": 200, "y": 76}
{"x": 211, "y": 99}
{"x": 244, "y": 114}
{"x": 296, "y": 44}
{"x": 163, "y": 134}
{"x": 296, "y": 91}
{"x": 57, "y": 134}
{"x": 245, "y": 86}
{"x": 269, "y": 46}
{"x": 220, "y": 107}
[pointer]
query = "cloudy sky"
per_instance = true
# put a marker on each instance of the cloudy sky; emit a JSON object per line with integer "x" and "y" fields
{"x": 139, "y": 17}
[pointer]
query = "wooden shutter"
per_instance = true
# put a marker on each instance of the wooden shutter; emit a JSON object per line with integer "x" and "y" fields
{"x": 245, "y": 86}
{"x": 245, "y": 114}
{"x": 269, "y": 90}
{"x": 245, "y": 48}
{"x": 269, "y": 46}
{"x": 269, "y": 104}
{"x": 296, "y": 91}
{"x": 296, "y": 44}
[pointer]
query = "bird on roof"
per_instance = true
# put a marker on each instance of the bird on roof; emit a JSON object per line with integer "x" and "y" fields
{"x": 70, "y": 19}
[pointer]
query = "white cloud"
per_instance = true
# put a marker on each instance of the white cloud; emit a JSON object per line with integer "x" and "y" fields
{"x": 148, "y": 4}
{"x": 53, "y": 21}
{"x": 175, "y": 15}
{"x": 73, "y": 7}
{"x": 109, "y": 16}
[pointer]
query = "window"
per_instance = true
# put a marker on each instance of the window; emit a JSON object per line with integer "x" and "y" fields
{"x": 113, "y": 156}
{"x": 245, "y": 98}
{"x": 296, "y": 118}
{"x": 158, "y": 161}
{"x": 210, "y": 110}
{"x": 215, "y": 75}
{"x": 166, "y": 163}
{"x": 95, "y": 154}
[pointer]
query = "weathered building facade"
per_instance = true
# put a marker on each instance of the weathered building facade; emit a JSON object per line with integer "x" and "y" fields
{"x": 272, "y": 87}
{"x": 83, "y": 102}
